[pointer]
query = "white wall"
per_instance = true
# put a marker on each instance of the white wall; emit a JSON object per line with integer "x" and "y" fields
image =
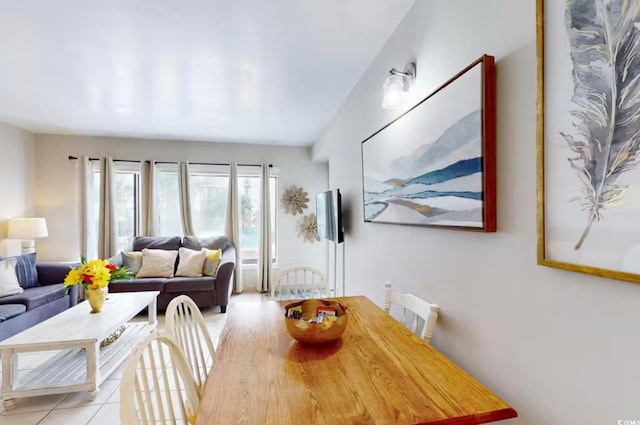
{"x": 16, "y": 181}
{"x": 57, "y": 187}
{"x": 560, "y": 347}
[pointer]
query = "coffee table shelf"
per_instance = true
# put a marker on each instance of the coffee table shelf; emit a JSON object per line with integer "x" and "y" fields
{"x": 69, "y": 368}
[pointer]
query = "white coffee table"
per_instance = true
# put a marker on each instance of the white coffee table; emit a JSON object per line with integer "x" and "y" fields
{"x": 81, "y": 365}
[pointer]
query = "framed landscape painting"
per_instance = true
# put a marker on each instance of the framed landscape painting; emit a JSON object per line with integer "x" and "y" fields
{"x": 589, "y": 136}
{"x": 435, "y": 164}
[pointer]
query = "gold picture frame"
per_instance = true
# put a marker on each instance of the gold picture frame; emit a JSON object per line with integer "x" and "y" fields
{"x": 542, "y": 257}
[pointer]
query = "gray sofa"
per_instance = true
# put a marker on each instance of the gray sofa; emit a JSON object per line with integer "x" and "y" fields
{"x": 21, "y": 311}
{"x": 206, "y": 291}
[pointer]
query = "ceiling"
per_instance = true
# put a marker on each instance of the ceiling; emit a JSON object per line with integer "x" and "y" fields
{"x": 249, "y": 71}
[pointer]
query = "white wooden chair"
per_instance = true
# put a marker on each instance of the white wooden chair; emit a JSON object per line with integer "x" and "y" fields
{"x": 419, "y": 307}
{"x": 157, "y": 386}
{"x": 184, "y": 322}
{"x": 300, "y": 282}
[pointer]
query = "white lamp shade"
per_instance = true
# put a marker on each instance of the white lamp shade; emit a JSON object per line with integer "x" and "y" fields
{"x": 394, "y": 91}
{"x": 27, "y": 228}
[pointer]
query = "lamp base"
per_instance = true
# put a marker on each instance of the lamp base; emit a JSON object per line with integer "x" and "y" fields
{"x": 28, "y": 246}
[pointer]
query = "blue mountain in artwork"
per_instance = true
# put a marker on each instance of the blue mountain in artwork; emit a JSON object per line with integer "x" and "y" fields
{"x": 438, "y": 183}
{"x": 462, "y": 168}
{"x": 456, "y": 143}
{"x": 433, "y": 194}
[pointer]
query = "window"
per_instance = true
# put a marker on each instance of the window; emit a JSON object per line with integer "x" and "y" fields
{"x": 127, "y": 208}
{"x": 249, "y": 191}
{"x": 209, "y": 189}
{"x": 168, "y": 222}
{"x": 127, "y": 203}
{"x": 92, "y": 251}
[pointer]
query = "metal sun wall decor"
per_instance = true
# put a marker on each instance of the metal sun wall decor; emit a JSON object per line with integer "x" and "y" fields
{"x": 435, "y": 164}
{"x": 294, "y": 200}
{"x": 589, "y": 136}
{"x": 308, "y": 228}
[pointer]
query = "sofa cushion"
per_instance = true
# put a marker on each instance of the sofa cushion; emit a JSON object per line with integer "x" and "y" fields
{"x": 211, "y": 262}
{"x": 9, "y": 284}
{"x": 26, "y": 270}
{"x": 170, "y": 243}
{"x": 157, "y": 263}
{"x": 35, "y": 297}
{"x": 132, "y": 261}
{"x": 190, "y": 284}
{"x": 137, "y": 285}
{"x": 8, "y": 311}
{"x": 214, "y": 242}
{"x": 190, "y": 262}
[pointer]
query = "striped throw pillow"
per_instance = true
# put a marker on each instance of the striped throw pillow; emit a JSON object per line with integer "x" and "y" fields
{"x": 26, "y": 270}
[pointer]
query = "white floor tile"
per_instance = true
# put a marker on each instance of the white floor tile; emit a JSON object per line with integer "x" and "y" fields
{"x": 109, "y": 414}
{"x": 35, "y": 404}
{"x": 23, "y": 419}
{"x": 75, "y": 416}
{"x": 115, "y": 397}
{"x": 78, "y": 399}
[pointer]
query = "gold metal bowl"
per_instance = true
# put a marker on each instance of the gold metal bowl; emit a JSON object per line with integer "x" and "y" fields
{"x": 316, "y": 333}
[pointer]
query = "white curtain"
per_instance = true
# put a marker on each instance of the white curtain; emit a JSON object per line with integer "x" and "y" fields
{"x": 265, "y": 272}
{"x": 88, "y": 241}
{"x": 148, "y": 198}
{"x": 233, "y": 225}
{"x": 107, "y": 243}
{"x": 185, "y": 205}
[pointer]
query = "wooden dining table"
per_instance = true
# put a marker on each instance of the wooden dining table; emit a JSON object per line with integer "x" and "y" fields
{"x": 377, "y": 373}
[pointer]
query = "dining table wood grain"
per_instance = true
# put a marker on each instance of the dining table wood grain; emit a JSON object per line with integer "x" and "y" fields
{"x": 377, "y": 373}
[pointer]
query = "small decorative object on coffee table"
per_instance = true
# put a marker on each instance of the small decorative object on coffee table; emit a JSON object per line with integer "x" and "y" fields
{"x": 96, "y": 298}
{"x": 113, "y": 337}
{"x": 95, "y": 276}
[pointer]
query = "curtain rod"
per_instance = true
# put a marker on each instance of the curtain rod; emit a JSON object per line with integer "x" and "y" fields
{"x": 71, "y": 158}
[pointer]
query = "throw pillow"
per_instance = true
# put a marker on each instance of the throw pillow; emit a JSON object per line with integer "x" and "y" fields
{"x": 190, "y": 262}
{"x": 157, "y": 263}
{"x": 26, "y": 270}
{"x": 9, "y": 284}
{"x": 132, "y": 261}
{"x": 211, "y": 262}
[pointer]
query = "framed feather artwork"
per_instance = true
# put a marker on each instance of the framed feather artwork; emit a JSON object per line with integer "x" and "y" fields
{"x": 589, "y": 136}
{"x": 435, "y": 164}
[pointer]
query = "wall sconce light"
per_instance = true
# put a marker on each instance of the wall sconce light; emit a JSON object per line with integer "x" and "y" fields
{"x": 396, "y": 86}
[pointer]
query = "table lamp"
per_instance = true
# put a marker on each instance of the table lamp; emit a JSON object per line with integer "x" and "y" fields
{"x": 27, "y": 229}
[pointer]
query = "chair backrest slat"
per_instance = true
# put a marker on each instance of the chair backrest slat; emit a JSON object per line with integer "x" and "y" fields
{"x": 185, "y": 323}
{"x": 300, "y": 282}
{"x": 146, "y": 390}
{"x": 418, "y": 306}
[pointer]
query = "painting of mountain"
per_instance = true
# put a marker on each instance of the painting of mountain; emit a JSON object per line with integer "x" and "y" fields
{"x": 434, "y": 165}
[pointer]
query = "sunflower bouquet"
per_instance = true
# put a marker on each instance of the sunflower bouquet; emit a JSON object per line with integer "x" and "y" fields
{"x": 95, "y": 274}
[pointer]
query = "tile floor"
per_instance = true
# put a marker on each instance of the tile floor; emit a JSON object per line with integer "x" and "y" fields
{"x": 76, "y": 408}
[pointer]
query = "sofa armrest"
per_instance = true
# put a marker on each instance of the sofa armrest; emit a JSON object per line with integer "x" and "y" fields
{"x": 52, "y": 273}
{"x": 224, "y": 286}
{"x": 73, "y": 294}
